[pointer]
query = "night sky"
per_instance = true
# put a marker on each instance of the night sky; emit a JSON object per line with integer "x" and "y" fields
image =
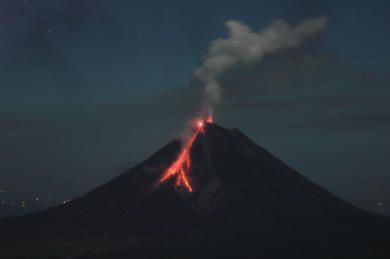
{"x": 89, "y": 88}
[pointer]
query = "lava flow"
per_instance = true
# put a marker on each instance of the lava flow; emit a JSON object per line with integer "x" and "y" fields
{"x": 182, "y": 165}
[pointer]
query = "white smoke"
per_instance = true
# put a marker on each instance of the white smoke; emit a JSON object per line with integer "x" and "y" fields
{"x": 243, "y": 46}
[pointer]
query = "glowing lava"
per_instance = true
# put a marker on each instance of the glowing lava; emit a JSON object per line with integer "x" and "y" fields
{"x": 181, "y": 167}
{"x": 210, "y": 118}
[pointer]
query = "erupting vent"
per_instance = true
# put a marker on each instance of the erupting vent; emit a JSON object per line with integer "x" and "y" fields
{"x": 182, "y": 165}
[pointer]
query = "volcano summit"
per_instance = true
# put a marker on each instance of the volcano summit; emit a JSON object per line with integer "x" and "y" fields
{"x": 242, "y": 202}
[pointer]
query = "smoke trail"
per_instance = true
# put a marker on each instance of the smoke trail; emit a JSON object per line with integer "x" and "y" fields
{"x": 242, "y": 46}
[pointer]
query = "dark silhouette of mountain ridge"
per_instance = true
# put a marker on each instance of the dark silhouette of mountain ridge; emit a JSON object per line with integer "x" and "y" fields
{"x": 245, "y": 203}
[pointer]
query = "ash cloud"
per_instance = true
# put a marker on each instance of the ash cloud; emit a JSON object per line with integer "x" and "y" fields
{"x": 243, "y": 46}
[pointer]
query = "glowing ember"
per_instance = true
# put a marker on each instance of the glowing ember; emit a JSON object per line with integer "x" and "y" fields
{"x": 181, "y": 167}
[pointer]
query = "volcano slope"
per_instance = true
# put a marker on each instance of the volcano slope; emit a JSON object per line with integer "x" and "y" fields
{"x": 245, "y": 203}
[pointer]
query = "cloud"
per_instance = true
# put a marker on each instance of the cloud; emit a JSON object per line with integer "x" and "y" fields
{"x": 243, "y": 46}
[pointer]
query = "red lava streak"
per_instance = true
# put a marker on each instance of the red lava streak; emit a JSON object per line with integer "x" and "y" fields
{"x": 182, "y": 165}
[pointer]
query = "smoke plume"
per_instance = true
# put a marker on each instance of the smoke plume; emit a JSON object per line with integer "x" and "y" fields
{"x": 243, "y": 46}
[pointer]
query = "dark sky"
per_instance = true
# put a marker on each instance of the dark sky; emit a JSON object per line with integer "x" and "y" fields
{"x": 91, "y": 87}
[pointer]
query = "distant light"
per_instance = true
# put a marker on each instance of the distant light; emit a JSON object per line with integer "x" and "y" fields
{"x": 379, "y": 204}
{"x": 65, "y": 201}
{"x": 2, "y": 202}
{"x": 2, "y": 190}
{"x": 37, "y": 198}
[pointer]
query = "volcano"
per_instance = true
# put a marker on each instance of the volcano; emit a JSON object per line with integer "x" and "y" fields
{"x": 243, "y": 203}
